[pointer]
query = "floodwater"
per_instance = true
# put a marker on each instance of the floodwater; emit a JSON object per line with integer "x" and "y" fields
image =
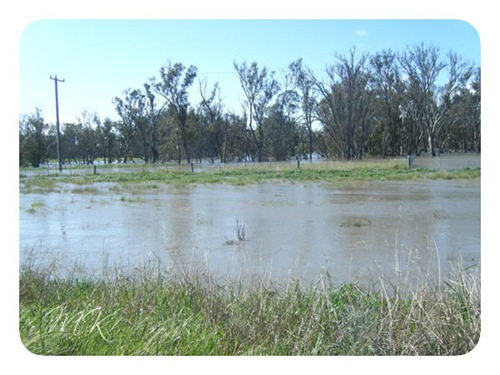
{"x": 360, "y": 232}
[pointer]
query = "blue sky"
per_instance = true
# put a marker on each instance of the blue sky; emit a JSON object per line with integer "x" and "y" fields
{"x": 99, "y": 59}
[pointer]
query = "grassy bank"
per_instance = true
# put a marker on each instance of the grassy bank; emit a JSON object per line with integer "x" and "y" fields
{"x": 147, "y": 313}
{"x": 242, "y": 174}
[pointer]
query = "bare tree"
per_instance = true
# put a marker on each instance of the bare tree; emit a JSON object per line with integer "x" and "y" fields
{"x": 345, "y": 105}
{"x": 304, "y": 81}
{"x": 461, "y": 128}
{"x": 174, "y": 85}
{"x": 88, "y": 136}
{"x": 385, "y": 76}
{"x": 155, "y": 112}
{"x": 259, "y": 87}
{"x": 212, "y": 110}
{"x": 281, "y": 129}
{"x": 425, "y": 97}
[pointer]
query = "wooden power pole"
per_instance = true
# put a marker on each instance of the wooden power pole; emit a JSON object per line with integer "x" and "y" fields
{"x": 57, "y": 120}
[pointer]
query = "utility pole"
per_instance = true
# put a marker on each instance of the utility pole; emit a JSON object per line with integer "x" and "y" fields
{"x": 57, "y": 119}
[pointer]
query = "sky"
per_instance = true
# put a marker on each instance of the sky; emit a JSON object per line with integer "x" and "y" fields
{"x": 99, "y": 59}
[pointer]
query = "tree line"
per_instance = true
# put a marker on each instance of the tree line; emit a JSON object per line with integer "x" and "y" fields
{"x": 380, "y": 104}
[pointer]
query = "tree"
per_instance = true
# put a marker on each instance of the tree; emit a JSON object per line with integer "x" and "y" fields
{"x": 387, "y": 103}
{"x": 155, "y": 113}
{"x": 410, "y": 109}
{"x": 87, "y": 137}
{"x": 239, "y": 145}
{"x": 462, "y": 124}
{"x": 211, "y": 111}
{"x": 304, "y": 81}
{"x": 385, "y": 76}
{"x": 429, "y": 101}
{"x": 69, "y": 142}
{"x": 175, "y": 81}
{"x": 281, "y": 123}
{"x": 133, "y": 112}
{"x": 475, "y": 112}
{"x": 259, "y": 87}
{"x": 346, "y": 103}
{"x": 32, "y": 139}
{"x": 108, "y": 140}
{"x": 168, "y": 143}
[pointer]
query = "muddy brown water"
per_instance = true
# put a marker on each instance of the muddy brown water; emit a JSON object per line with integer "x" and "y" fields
{"x": 362, "y": 232}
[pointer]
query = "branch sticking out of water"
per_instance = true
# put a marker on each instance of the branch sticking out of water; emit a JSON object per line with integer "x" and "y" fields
{"x": 240, "y": 231}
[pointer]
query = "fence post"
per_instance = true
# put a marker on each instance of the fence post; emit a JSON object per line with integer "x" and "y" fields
{"x": 410, "y": 159}
{"x": 95, "y": 169}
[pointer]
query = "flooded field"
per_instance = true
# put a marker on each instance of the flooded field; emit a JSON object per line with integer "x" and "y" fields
{"x": 357, "y": 232}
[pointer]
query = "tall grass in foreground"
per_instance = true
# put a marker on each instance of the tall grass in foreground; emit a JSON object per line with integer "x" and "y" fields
{"x": 154, "y": 312}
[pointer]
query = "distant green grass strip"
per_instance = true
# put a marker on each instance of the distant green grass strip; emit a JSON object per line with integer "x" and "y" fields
{"x": 241, "y": 175}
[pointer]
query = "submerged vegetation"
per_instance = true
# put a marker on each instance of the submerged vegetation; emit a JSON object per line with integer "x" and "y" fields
{"x": 152, "y": 311}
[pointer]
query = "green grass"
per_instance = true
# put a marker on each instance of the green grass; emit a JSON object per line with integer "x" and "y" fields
{"x": 32, "y": 209}
{"x": 38, "y": 183}
{"x": 135, "y": 199}
{"x": 154, "y": 312}
{"x": 242, "y": 174}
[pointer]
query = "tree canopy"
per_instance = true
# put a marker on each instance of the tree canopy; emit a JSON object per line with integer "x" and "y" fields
{"x": 380, "y": 104}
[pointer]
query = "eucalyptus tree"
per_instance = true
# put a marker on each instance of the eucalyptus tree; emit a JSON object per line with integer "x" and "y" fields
{"x": 475, "y": 109}
{"x": 282, "y": 134}
{"x": 70, "y": 134}
{"x": 32, "y": 139}
{"x": 154, "y": 116}
{"x": 460, "y": 84}
{"x": 132, "y": 111}
{"x": 344, "y": 109}
{"x": 173, "y": 87}
{"x": 462, "y": 124}
{"x": 108, "y": 140}
{"x": 168, "y": 143}
{"x": 259, "y": 87}
{"x": 239, "y": 147}
{"x": 262, "y": 110}
{"x": 304, "y": 82}
{"x": 428, "y": 101}
{"x": 281, "y": 131}
{"x": 211, "y": 109}
{"x": 326, "y": 145}
{"x": 385, "y": 75}
{"x": 87, "y": 137}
